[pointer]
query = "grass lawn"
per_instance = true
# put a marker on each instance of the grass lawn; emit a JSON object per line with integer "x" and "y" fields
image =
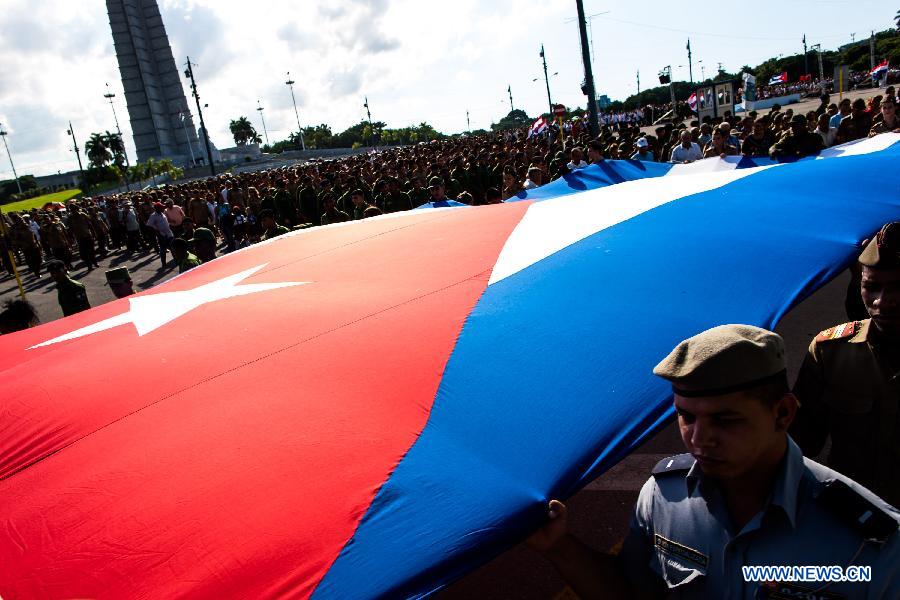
{"x": 39, "y": 201}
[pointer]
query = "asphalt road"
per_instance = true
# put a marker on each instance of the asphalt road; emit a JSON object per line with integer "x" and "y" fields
{"x": 145, "y": 272}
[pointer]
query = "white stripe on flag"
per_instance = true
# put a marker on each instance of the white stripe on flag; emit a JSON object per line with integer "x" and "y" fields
{"x": 549, "y": 226}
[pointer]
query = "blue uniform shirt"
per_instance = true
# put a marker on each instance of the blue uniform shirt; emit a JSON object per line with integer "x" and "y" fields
{"x": 681, "y": 537}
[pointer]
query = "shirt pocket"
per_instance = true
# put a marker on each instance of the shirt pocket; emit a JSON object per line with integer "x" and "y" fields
{"x": 678, "y": 565}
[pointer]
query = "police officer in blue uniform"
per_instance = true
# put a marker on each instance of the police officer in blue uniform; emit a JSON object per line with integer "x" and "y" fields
{"x": 743, "y": 495}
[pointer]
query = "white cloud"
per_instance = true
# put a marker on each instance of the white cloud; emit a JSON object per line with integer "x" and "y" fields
{"x": 416, "y": 60}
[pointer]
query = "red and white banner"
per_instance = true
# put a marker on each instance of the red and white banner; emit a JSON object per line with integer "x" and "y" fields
{"x": 537, "y": 127}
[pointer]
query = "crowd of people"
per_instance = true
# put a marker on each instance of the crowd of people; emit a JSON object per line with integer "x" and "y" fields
{"x": 756, "y": 490}
{"x": 197, "y": 220}
{"x": 813, "y": 86}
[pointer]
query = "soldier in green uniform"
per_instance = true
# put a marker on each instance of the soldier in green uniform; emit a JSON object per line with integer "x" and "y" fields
{"x": 799, "y": 141}
{"x": 72, "y": 295}
{"x": 204, "y": 242}
{"x": 183, "y": 257}
{"x": 270, "y": 226}
{"x": 119, "y": 280}
{"x": 332, "y": 214}
{"x": 393, "y": 200}
{"x": 418, "y": 194}
{"x": 283, "y": 202}
{"x": 310, "y": 208}
{"x": 849, "y": 384}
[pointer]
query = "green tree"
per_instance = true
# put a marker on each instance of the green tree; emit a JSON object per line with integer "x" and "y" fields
{"x": 514, "y": 120}
{"x": 243, "y": 131}
{"x": 116, "y": 147}
{"x": 98, "y": 153}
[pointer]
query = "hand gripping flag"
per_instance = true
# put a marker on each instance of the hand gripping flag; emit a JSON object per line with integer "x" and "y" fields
{"x": 372, "y": 409}
{"x": 780, "y": 78}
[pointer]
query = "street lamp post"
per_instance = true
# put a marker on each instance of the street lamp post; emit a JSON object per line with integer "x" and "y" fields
{"x": 546, "y": 79}
{"x": 189, "y": 73}
{"x": 260, "y": 109}
{"x": 588, "y": 72}
{"x": 818, "y": 48}
{"x": 290, "y": 83}
{"x": 805, "y": 57}
{"x": 690, "y": 63}
{"x": 369, "y": 116}
{"x": 71, "y": 131}
{"x": 18, "y": 183}
{"x": 109, "y": 96}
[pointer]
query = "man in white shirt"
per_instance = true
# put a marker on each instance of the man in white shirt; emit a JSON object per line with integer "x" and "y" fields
{"x": 158, "y": 222}
{"x": 687, "y": 151}
{"x": 577, "y": 161}
{"x": 535, "y": 179}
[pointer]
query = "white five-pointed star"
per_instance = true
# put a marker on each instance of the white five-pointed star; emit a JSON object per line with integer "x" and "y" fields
{"x": 150, "y": 312}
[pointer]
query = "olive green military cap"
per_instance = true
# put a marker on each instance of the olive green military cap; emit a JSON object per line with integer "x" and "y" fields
{"x": 884, "y": 249}
{"x": 118, "y": 275}
{"x": 724, "y": 359}
{"x": 204, "y": 235}
{"x": 435, "y": 181}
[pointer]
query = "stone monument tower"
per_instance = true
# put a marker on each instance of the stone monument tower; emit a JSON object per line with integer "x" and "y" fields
{"x": 160, "y": 115}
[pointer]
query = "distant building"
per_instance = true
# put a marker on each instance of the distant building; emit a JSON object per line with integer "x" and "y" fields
{"x": 161, "y": 119}
{"x": 603, "y": 102}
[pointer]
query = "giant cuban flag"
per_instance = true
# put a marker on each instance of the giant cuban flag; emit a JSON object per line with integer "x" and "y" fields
{"x": 373, "y": 409}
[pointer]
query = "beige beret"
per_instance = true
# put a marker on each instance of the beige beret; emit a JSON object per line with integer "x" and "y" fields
{"x": 722, "y": 360}
{"x": 884, "y": 249}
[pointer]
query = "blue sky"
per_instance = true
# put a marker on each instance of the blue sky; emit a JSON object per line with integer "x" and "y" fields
{"x": 417, "y": 60}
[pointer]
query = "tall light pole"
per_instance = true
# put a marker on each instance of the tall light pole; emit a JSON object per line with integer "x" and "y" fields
{"x": 468, "y": 123}
{"x": 71, "y": 131}
{"x": 872, "y": 51}
{"x": 509, "y": 91}
{"x": 3, "y": 135}
{"x": 805, "y": 57}
{"x": 639, "y": 81}
{"x": 260, "y": 110}
{"x": 588, "y": 73}
{"x": 369, "y": 117}
{"x": 546, "y": 80}
{"x": 109, "y": 96}
{"x": 818, "y": 48}
{"x": 690, "y": 63}
{"x": 189, "y": 73}
{"x": 290, "y": 83}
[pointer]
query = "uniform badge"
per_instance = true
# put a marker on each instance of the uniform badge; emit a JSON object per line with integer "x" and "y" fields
{"x": 682, "y": 552}
{"x": 839, "y": 331}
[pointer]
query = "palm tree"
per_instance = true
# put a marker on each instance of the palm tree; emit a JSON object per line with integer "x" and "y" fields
{"x": 97, "y": 151}
{"x": 243, "y": 131}
{"x": 116, "y": 147}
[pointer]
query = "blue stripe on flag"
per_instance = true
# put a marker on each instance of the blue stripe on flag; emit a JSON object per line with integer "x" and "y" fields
{"x": 550, "y": 382}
